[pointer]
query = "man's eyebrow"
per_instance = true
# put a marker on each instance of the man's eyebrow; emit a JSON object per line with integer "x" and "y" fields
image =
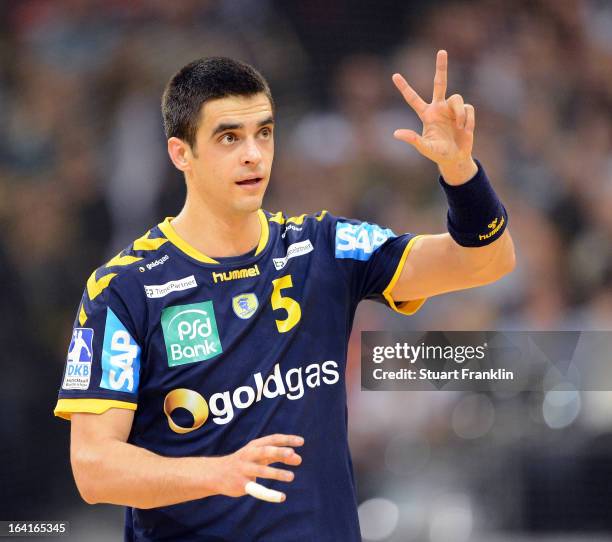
{"x": 238, "y": 126}
{"x": 269, "y": 120}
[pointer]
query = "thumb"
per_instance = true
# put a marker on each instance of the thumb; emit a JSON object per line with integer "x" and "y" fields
{"x": 411, "y": 137}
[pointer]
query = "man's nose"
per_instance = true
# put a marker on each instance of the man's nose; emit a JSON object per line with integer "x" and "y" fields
{"x": 251, "y": 154}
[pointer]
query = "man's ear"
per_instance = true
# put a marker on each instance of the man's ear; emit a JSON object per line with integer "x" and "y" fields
{"x": 180, "y": 153}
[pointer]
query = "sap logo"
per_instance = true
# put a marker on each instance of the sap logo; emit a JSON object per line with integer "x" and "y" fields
{"x": 78, "y": 363}
{"x": 294, "y": 250}
{"x": 236, "y": 274}
{"x": 190, "y": 333}
{"x": 155, "y": 263}
{"x": 292, "y": 385}
{"x": 359, "y": 241}
{"x": 160, "y": 290}
{"x": 120, "y": 357}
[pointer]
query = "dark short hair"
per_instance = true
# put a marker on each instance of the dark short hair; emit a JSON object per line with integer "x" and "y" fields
{"x": 203, "y": 80}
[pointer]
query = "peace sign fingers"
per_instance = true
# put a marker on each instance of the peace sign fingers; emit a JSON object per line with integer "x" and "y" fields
{"x": 410, "y": 95}
{"x": 439, "y": 90}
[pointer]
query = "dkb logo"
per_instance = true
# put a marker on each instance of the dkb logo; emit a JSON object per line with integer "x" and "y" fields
{"x": 190, "y": 333}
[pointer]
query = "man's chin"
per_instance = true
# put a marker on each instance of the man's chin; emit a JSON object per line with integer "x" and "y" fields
{"x": 249, "y": 205}
{"x": 251, "y": 202}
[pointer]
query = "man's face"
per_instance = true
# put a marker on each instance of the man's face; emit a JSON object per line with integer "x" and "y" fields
{"x": 233, "y": 153}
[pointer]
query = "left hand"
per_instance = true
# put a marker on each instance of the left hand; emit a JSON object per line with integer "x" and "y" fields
{"x": 448, "y": 126}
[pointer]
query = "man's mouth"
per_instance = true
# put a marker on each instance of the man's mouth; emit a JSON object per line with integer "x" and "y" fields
{"x": 250, "y": 181}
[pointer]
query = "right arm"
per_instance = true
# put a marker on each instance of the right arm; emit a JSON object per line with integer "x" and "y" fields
{"x": 107, "y": 469}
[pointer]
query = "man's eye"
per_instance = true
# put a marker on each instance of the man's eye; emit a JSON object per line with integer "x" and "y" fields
{"x": 228, "y": 139}
{"x": 266, "y": 132}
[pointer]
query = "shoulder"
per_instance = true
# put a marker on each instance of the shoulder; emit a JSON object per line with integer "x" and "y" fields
{"x": 300, "y": 220}
{"x": 290, "y": 229}
{"x": 322, "y": 220}
{"x": 120, "y": 278}
{"x": 347, "y": 237}
{"x": 297, "y": 226}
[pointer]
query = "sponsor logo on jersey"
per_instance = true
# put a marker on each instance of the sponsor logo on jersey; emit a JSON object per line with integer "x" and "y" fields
{"x": 161, "y": 290}
{"x": 120, "y": 357}
{"x": 223, "y": 405}
{"x": 245, "y": 305}
{"x": 294, "y": 250}
{"x": 236, "y": 274}
{"x": 290, "y": 227}
{"x": 190, "y": 333}
{"x": 359, "y": 241}
{"x": 155, "y": 263}
{"x": 78, "y": 361}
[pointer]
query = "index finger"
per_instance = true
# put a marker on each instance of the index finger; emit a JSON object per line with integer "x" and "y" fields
{"x": 410, "y": 95}
{"x": 439, "y": 91}
{"x": 279, "y": 439}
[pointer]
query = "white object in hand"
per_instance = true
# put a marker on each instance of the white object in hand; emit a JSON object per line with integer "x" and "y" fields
{"x": 265, "y": 494}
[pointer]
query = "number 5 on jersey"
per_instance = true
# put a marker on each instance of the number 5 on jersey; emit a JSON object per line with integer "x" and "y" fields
{"x": 294, "y": 312}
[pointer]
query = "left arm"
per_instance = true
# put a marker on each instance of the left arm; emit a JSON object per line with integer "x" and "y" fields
{"x": 462, "y": 258}
{"x": 436, "y": 265}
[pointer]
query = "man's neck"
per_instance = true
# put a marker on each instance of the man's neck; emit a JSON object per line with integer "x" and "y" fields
{"x": 217, "y": 235}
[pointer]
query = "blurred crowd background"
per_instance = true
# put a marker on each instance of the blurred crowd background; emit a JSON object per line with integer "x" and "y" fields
{"x": 84, "y": 170}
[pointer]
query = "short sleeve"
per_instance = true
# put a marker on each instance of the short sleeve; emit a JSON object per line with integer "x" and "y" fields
{"x": 371, "y": 258}
{"x": 102, "y": 368}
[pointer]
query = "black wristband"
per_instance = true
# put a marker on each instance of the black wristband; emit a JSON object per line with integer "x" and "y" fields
{"x": 475, "y": 216}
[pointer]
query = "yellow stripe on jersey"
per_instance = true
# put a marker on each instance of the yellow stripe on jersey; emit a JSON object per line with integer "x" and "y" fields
{"x": 278, "y": 218}
{"x": 126, "y": 259}
{"x": 265, "y": 231}
{"x": 175, "y": 239}
{"x": 403, "y": 307}
{"x": 144, "y": 243}
{"x": 297, "y": 220}
{"x": 96, "y": 287}
{"x": 320, "y": 216}
{"x": 66, "y": 407}
{"x": 82, "y": 315}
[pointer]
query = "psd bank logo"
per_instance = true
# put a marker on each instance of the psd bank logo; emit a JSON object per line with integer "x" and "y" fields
{"x": 190, "y": 333}
{"x": 78, "y": 362}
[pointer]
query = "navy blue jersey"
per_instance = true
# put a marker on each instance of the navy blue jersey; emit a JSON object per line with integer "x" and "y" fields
{"x": 214, "y": 353}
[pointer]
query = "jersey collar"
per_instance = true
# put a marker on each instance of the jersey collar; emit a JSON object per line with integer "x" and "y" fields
{"x": 170, "y": 233}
